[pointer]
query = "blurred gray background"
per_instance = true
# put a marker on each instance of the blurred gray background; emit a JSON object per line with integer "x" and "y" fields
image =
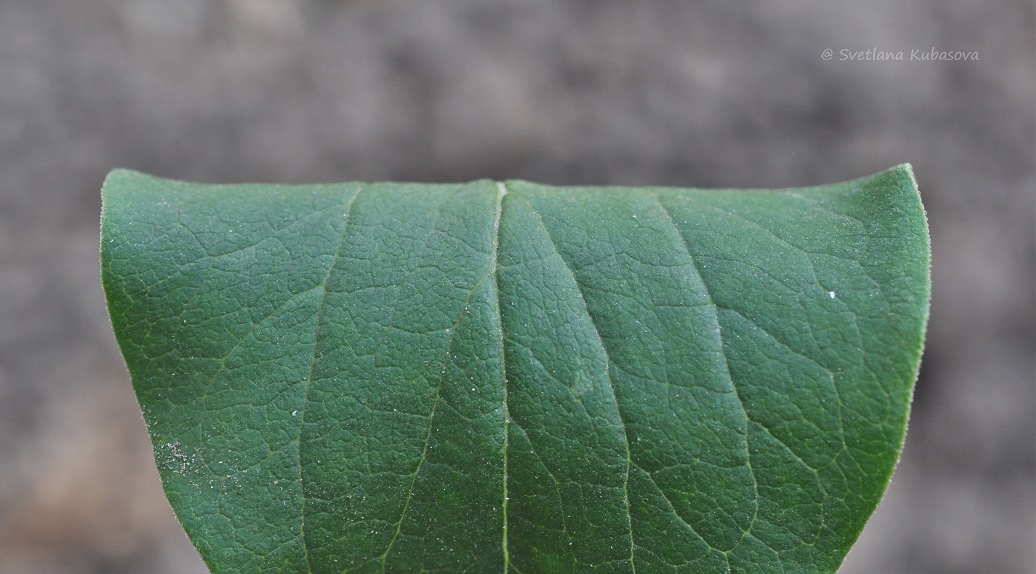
{"x": 597, "y": 91}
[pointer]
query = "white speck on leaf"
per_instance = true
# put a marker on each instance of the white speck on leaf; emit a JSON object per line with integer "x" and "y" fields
{"x": 179, "y": 457}
{"x": 831, "y": 294}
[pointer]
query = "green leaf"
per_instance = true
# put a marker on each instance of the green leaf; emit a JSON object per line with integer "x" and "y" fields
{"x": 513, "y": 377}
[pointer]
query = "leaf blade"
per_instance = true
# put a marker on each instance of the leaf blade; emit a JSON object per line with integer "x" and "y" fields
{"x": 513, "y": 376}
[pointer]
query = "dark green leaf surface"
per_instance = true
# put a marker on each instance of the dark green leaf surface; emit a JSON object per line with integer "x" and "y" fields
{"x": 513, "y": 377}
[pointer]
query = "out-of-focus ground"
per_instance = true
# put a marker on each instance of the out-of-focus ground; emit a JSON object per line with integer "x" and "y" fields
{"x": 668, "y": 93}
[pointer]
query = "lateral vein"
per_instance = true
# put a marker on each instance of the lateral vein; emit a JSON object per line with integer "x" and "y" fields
{"x": 312, "y": 365}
